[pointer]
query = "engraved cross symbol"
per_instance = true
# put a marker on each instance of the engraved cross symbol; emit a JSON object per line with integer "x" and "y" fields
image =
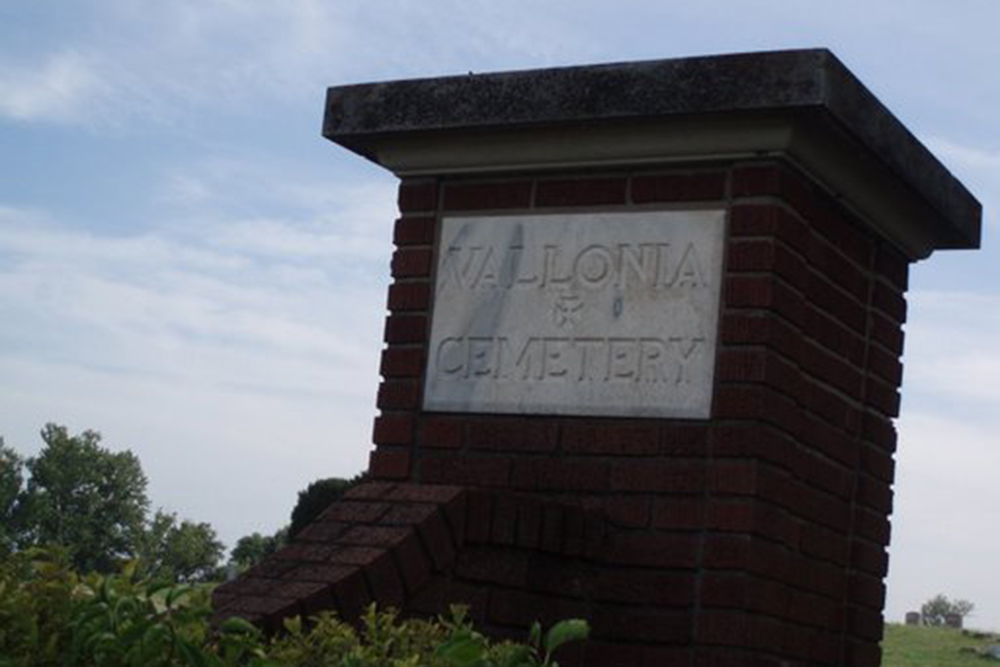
{"x": 567, "y": 310}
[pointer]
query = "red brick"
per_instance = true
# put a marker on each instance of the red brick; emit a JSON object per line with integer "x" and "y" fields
{"x": 580, "y": 192}
{"x": 834, "y": 335}
{"x": 703, "y": 186}
{"x": 354, "y": 555}
{"x": 319, "y": 572}
{"x": 831, "y": 369}
{"x": 659, "y": 475}
{"x": 322, "y": 531}
{"x": 837, "y": 303}
{"x": 414, "y": 231}
{"x": 878, "y": 463}
{"x": 512, "y": 434}
{"x": 746, "y": 364}
{"x": 679, "y": 513}
{"x": 417, "y": 196}
{"x": 887, "y": 333}
{"x": 369, "y": 490}
{"x": 405, "y": 328}
{"x": 354, "y": 511}
{"x": 654, "y": 549}
{"x": 530, "y": 514}
{"x": 885, "y": 365}
{"x": 837, "y": 268}
{"x": 839, "y": 410}
{"x": 727, "y": 551}
{"x": 642, "y": 625}
{"x": 436, "y": 538}
{"x": 879, "y": 430}
{"x": 874, "y": 493}
{"x": 724, "y": 590}
{"x": 760, "y": 255}
{"x": 385, "y": 582}
{"x": 862, "y": 654}
{"x": 629, "y": 511}
{"x": 425, "y": 493}
{"x": 491, "y": 565}
{"x": 352, "y": 596}
{"x": 409, "y": 296}
{"x": 766, "y": 291}
{"x": 442, "y": 432}
{"x": 407, "y": 514}
{"x": 866, "y": 591}
{"x": 882, "y": 397}
{"x": 495, "y": 195}
{"x": 865, "y": 623}
{"x": 302, "y": 552}
{"x": 845, "y": 235}
{"x": 615, "y": 439}
{"x": 762, "y": 403}
{"x": 725, "y": 628}
{"x": 769, "y": 220}
{"x": 480, "y": 518}
{"x": 889, "y": 301}
{"x": 872, "y": 526}
{"x": 389, "y": 464}
{"x": 560, "y": 475}
{"x": 777, "y": 180}
{"x": 402, "y": 362}
{"x": 393, "y": 429}
{"x": 490, "y": 471}
{"x": 684, "y": 440}
{"x": 824, "y": 543}
{"x": 553, "y": 528}
{"x": 398, "y": 395}
{"x": 412, "y": 262}
{"x": 413, "y": 562}
{"x": 892, "y": 266}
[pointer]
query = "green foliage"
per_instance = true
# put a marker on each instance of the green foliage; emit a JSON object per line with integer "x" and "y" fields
{"x": 11, "y": 488}
{"x": 939, "y": 607}
{"x": 86, "y": 498}
{"x": 317, "y": 497}
{"x": 184, "y": 551}
{"x": 51, "y": 616}
{"x": 464, "y": 647}
{"x": 922, "y": 646}
{"x": 253, "y": 548}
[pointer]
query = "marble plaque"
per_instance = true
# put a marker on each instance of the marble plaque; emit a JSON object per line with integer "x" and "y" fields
{"x": 610, "y": 314}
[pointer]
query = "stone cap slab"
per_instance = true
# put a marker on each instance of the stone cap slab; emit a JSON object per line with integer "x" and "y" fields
{"x": 803, "y": 105}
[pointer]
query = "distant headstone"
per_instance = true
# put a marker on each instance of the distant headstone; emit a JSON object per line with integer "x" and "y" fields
{"x": 913, "y": 618}
{"x": 953, "y": 620}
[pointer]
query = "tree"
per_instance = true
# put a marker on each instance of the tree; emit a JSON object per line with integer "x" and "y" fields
{"x": 317, "y": 497}
{"x": 252, "y": 549}
{"x": 936, "y": 610}
{"x": 185, "y": 551}
{"x": 11, "y": 489}
{"x": 86, "y": 498}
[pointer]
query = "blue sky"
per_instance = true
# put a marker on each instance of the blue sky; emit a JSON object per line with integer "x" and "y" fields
{"x": 189, "y": 268}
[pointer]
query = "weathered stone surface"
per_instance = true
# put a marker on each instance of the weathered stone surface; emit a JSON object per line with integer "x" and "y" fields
{"x": 805, "y": 104}
{"x": 609, "y": 314}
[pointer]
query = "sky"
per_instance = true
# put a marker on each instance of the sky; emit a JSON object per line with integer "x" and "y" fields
{"x": 189, "y": 268}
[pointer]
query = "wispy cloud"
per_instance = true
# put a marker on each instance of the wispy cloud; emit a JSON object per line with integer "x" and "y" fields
{"x": 61, "y": 87}
{"x": 229, "y": 342}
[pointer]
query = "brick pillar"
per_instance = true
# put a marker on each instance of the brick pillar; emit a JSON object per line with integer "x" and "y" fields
{"x": 755, "y": 535}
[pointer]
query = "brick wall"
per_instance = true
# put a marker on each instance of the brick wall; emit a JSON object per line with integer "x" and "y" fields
{"x": 770, "y": 520}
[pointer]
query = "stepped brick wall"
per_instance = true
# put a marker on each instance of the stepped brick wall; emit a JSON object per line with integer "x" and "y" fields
{"x": 755, "y": 537}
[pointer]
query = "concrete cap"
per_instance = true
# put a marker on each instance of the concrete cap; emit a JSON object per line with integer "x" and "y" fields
{"x": 802, "y": 105}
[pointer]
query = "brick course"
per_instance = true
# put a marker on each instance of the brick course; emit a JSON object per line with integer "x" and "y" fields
{"x": 769, "y": 519}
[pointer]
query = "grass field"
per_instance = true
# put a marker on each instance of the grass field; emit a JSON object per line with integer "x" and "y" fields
{"x": 917, "y": 646}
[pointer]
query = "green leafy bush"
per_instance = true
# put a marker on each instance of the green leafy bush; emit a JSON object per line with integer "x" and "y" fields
{"x": 50, "y": 616}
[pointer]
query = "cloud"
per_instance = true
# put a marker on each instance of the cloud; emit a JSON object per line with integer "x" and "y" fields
{"x": 60, "y": 88}
{"x": 232, "y": 354}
